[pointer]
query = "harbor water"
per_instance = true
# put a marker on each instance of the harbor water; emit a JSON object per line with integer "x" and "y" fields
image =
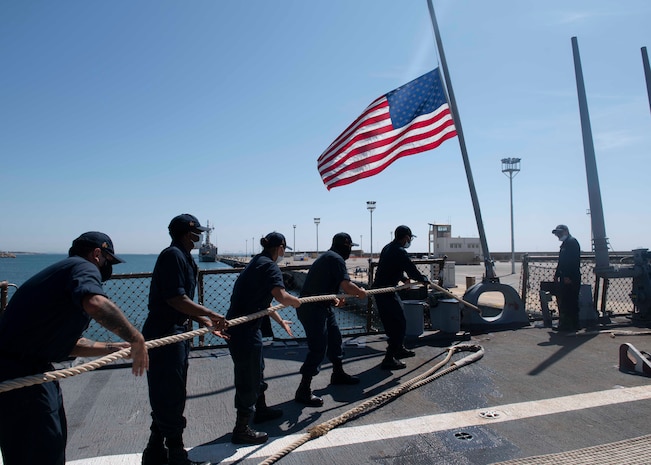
{"x": 20, "y": 269}
{"x": 131, "y": 294}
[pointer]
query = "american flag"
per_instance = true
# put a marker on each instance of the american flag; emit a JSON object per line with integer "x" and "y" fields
{"x": 410, "y": 119}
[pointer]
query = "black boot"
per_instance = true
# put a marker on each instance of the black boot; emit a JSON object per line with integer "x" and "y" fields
{"x": 403, "y": 352}
{"x": 391, "y": 363}
{"x": 304, "y": 393}
{"x": 339, "y": 376}
{"x": 264, "y": 412}
{"x": 155, "y": 452}
{"x": 244, "y": 434}
{"x": 176, "y": 451}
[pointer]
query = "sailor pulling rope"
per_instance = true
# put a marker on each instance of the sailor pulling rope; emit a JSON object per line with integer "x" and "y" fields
{"x": 49, "y": 376}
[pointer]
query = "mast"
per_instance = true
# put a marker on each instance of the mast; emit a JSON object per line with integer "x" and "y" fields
{"x": 594, "y": 190}
{"x": 208, "y": 229}
{"x": 488, "y": 262}
{"x": 647, "y": 73}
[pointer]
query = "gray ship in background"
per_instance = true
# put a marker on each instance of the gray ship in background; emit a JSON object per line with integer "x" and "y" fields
{"x": 208, "y": 251}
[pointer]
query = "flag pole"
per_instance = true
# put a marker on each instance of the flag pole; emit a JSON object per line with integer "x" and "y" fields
{"x": 488, "y": 262}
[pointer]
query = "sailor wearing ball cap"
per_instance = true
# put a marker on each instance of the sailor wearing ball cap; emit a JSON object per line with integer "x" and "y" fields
{"x": 259, "y": 283}
{"x": 327, "y": 275}
{"x": 54, "y": 307}
{"x": 394, "y": 263}
{"x": 568, "y": 277}
{"x": 171, "y": 306}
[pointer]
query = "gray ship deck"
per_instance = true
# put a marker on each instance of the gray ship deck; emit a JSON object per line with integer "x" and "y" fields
{"x": 534, "y": 392}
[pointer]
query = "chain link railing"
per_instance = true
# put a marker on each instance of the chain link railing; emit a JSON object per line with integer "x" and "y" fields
{"x": 610, "y": 296}
{"x": 358, "y": 316}
{"x": 131, "y": 294}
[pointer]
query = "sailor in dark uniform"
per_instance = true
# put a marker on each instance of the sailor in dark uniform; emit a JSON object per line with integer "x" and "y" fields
{"x": 171, "y": 304}
{"x": 327, "y": 275}
{"x": 43, "y": 323}
{"x": 394, "y": 263}
{"x": 568, "y": 277}
{"x": 259, "y": 283}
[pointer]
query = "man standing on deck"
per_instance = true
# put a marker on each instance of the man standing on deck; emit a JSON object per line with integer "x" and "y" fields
{"x": 394, "y": 262}
{"x": 568, "y": 279}
{"x": 327, "y": 275}
{"x": 42, "y": 324}
{"x": 171, "y": 305}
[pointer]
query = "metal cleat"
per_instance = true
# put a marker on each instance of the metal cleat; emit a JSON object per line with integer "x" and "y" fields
{"x": 632, "y": 360}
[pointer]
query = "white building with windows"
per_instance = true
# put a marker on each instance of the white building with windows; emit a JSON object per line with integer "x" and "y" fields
{"x": 461, "y": 250}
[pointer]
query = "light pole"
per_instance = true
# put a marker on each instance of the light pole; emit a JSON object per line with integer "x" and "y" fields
{"x": 361, "y": 246}
{"x": 511, "y": 167}
{"x": 370, "y": 206}
{"x": 316, "y": 222}
{"x": 294, "y": 253}
{"x": 253, "y": 246}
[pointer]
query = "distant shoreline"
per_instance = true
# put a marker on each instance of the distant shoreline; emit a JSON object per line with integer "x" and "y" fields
{"x": 13, "y": 254}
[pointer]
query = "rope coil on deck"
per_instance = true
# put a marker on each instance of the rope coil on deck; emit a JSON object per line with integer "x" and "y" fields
{"x": 50, "y": 376}
{"x": 380, "y": 399}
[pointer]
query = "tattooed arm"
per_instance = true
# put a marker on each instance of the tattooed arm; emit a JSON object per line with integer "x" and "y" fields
{"x": 89, "y": 348}
{"x": 109, "y": 315}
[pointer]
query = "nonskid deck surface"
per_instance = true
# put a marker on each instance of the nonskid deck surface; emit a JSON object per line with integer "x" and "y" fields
{"x": 534, "y": 392}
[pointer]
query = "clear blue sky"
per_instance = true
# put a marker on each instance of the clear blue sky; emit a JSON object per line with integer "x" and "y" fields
{"x": 116, "y": 116}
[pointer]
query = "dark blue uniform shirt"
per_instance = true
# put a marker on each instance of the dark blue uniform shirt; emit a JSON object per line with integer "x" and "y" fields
{"x": 569, "y": 260}
{"x": 325, "y": 276}
{"x": 45, "y": 316}
{"x": 394, "y": 262}
{"x": 252, "y": 292}
{"x": 175, "y": 274}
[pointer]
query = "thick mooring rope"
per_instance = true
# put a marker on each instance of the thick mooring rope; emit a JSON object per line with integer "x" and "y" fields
{"x": 387, "y": 396}
{"x": 50, "y": 376}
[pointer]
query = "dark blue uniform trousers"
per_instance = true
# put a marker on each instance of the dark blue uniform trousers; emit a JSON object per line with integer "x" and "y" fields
{"x": 248, "y": 368}
{"x": 33, "y": 427}
{"x": 167, "y": 377}
{"x": 393, "y": 319}
{"x": 568, "y": 307}
{"x": 323, "y": 337}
